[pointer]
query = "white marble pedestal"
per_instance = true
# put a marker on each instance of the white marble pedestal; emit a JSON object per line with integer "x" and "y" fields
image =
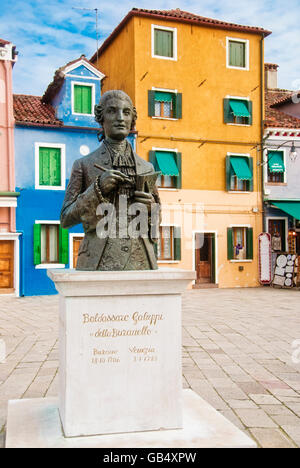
{"x": 120, "y": 350}
{"x": 120, "y": 370}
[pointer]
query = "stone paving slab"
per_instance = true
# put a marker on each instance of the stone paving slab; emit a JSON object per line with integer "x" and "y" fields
{"x": 237, "y": 355}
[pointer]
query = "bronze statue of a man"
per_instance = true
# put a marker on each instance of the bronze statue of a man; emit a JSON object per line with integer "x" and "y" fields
{"x": 89, "y": 190}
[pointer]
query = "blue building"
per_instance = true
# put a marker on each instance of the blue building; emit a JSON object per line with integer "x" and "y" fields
{"x": 51, "y": 132}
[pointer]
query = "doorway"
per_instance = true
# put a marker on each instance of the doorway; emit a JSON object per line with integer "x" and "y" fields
{"x": 205, "y": 255}
{"x": 6, "y": 266}
{"x": 75, "y": 247}
{"x": 277, "y": 229}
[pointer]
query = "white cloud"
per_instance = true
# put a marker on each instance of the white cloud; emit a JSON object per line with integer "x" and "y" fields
{"x": 49, "y": 34}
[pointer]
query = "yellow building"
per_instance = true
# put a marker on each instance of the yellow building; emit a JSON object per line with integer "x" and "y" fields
{"x": 197, "y": 84}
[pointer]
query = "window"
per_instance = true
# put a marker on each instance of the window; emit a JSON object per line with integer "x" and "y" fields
{"x": 167, "y": 162}
{"x": 240, "y": 243}
{"x": 49, "y": 166}
{"x": 82, "y": 98}
{"x": 276, "y": 167}
{"x": 169, "y": 243}
{"x": 50, "y": 243}
{"x": 237, "y": 111}
{"x": 164, "y": 42}
{"x": 164, "y": 104}
{"x": 239, "y": 173}
{"x": 237, "y": 53}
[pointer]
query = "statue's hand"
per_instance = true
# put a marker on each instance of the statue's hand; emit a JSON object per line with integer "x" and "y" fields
{"x": 144, "y": 197}
{"x": 110, "y": 179}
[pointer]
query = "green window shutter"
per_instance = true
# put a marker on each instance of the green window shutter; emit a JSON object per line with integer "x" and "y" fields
{"x": 237, "y": 54}
{"x": 213, "y": 258}
{"x": 152, "y": 159}
{"x": 77, "y": 99}
{"x": 228, "y": 173}
{"x": 82, "y": 99}
{"x": 178, "y": 179}
{"x": 55, "y": 166}
{"x": 228, "y": 116}
{"x": 151, "y": 103}
{"x": 36, "y": 244}
{"x": 86, "y": 99}
{"x": 63, "y": 245}
{"x": 44, "y": 166}
{"x": 163, "y": 43}
{"x": 250, "y": 161}
{"x": 177, "y": 242}
{"x": 250, "y": 109}
{"x": 249, "y": 245}
{"x": 229, "y": 243}
{"x": 178, "y": 106}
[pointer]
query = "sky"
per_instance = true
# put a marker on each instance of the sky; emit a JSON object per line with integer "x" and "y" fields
{"x": 48, "y": 34}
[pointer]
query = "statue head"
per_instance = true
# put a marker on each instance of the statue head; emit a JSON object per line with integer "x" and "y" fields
{"x": 116, "y": 114}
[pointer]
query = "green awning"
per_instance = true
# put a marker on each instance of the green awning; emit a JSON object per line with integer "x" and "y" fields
{"x": 239, "y": 108}
{"x": 275, "y": 161}
{"x": 166, "y": 163}
{"x": 291, "y": 208}
{"x": 241, "y": 168}
{"x": 163, "y": 96}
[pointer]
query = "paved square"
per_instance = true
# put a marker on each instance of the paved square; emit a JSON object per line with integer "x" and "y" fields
{"x": 237, "y": 354}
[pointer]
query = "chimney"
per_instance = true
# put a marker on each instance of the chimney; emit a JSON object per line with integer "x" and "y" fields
{"x": 271, "y": 75}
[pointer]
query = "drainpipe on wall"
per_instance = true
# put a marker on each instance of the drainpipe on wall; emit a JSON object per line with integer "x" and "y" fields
{"x": 22, "y": 264}
{"x": 262, "y": 98}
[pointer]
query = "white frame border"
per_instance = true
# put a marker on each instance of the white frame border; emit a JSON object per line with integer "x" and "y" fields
{"x": 265, "y": 157}
{"x": 43, "y": 266}
{"x": 62, "y": 147}
{"x": 243, "y": 99}
{"x": 236, "y": 39}
{"x": 80, "y": 83}
{"x": 167, "y": 189}
{"x": 245, "y": 260}
{"x": 173, "y": 226}
{"x": 174, "y": 91}
{"x": 164, "y": 28}
{"x": 244, "y": 155}
{"x": 71, "y": 237}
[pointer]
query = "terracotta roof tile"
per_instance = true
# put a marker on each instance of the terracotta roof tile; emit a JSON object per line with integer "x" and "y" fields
{"x": 271, "y": 66}
{"x": 181, "y": 16}
{"x": 274, "y": 117}
{"x": 3, "y": 42}
{"x": 31, "y": 109}
{"x": 286, "y": 99}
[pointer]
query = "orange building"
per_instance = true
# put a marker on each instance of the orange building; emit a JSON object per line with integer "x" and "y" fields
{"x": 197, "y": 84}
